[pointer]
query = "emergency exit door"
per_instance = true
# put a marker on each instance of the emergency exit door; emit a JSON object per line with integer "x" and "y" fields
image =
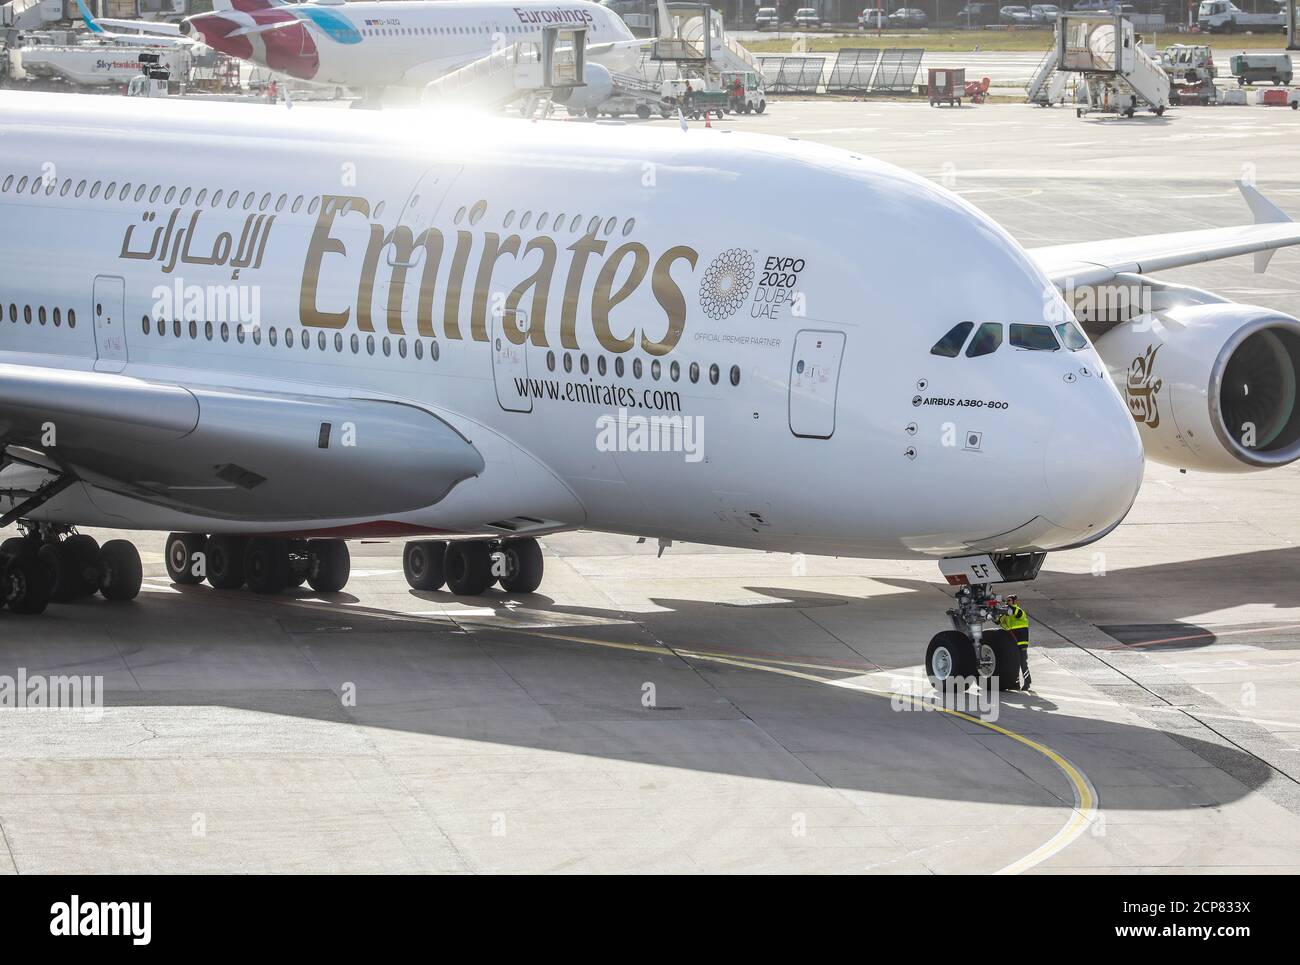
{"x": 510, "y": 363}
{"x": 110, "y": 323}
{"x": 814, "y": 381}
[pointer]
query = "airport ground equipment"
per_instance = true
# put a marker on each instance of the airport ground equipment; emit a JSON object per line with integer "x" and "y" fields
{"x": 554, "y": 67}
{"x": 696, "y": 102}
{"x": 977, "y": 90}
{"x": 1118, "y": 76}
{"x": 750, "y": 96}
{"x": 1278, "y": 97}
{"x": 1191, "y": 73}
{"x": 95, "y": 64}
{"x": 946, "y": 85}
{"x": 1047, "y": 84}
{"x": 1274, "y": 69}
{"x": 153, "y": 80}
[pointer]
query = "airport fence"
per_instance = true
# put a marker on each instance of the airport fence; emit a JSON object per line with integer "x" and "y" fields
{"x": 851, "y": 70}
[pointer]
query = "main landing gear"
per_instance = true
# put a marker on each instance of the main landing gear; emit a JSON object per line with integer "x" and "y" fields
{"x": 54, "y": 564}
{"x": 266, "y": 564}
{"x": 971, "y": 652}
{"x": 469, "y": 567}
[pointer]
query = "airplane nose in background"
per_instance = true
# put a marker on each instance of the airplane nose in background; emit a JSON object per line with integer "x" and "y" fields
{"x": 1092, "y": 464}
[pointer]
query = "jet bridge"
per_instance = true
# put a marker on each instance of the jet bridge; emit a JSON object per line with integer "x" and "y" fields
{"x": 525, "y": 69}
{"x": 1118, "y": 75}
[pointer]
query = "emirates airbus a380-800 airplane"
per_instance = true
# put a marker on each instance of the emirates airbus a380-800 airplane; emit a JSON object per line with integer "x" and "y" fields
{"x": 267, "y": 332}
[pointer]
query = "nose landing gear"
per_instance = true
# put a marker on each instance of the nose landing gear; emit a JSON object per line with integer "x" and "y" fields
{"x": 972, "y": 651}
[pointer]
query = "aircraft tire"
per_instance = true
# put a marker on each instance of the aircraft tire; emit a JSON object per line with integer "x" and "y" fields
{"x": 423, "y": 564}
{"x": 468, "y": 567}
{"x": 225, "y": 561}
{"x": 62, "y": 571}
{"x": 179, "y": 556}
{"x": 524, "y": 565}
{"x": 266, "y": 565}
{"x": 1000, "y": 660}
{"x": 328, "y": 565}
{"x": 120, "y": 572}
{"x": 949, "y": 656}
{"x": 86, "y": 549}
{"x": 24, "y": 584}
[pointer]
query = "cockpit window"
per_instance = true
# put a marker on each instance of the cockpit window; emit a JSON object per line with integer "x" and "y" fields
{"x": 1034, "y": 338}
{"x": 950, "y": 345}
{"x": 986, "y": 340}
{"x": 1071, "y": 337}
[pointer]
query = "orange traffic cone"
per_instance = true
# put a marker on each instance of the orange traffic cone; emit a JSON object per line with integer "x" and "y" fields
{"x": 707, "y": 115}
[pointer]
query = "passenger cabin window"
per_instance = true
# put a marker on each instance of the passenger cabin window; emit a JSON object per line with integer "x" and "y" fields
{"x": 986, "y": 341}
{"x": 1071, "y": 337}
{"x": 1034, "y": 338}
{"x": 950, "y": 345}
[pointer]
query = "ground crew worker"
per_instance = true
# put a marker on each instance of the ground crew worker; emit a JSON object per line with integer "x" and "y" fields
{"x": 1016, "y": 623}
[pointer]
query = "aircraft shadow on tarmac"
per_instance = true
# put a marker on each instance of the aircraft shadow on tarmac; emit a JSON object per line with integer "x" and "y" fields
{"x": 521, "y": 688}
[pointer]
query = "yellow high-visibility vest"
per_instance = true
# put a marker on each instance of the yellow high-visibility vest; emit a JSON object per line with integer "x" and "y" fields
{"x": 1016, "y": 620}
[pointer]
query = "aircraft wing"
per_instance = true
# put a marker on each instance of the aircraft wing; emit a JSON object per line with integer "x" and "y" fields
{"x": 148, "y": 26}
{"x": 233, "y": 453}
{"x": 1097, "y": 262}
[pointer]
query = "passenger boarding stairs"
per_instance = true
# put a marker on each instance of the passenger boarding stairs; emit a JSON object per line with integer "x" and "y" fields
{"x": 1118, "y": 74}
{"x": 504, "y": 76}
{"x": 1048, "y": 84}
{"x": 30, "y": 14}
{"x": 692, "y": 26}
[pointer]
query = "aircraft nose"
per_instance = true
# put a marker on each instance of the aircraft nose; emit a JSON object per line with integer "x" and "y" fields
{"x": 1092, "y": 465}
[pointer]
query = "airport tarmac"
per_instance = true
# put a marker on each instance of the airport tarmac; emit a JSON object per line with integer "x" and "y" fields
{"x": 721, "y": 710}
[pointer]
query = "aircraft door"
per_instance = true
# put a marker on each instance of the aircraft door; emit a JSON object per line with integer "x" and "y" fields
{"x": 814, "y": 383}
{"x": 110, "y": 323}
{"x": 510, "y": 363}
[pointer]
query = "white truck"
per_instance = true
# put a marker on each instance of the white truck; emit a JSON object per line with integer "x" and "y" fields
{"x": 1224, "y": 16}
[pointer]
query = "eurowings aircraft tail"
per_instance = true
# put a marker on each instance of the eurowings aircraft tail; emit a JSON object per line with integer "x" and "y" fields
{"x": 244, "y": 6}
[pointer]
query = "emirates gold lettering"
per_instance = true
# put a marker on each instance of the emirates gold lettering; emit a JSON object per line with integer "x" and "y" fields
{"x": 493, "y": 262}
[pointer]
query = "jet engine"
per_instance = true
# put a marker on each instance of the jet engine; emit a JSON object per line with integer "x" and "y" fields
{"x": 599, "y": 85}
{"x": 1212, "y": 385}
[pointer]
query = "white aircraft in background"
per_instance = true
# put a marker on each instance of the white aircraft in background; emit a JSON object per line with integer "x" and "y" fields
{"x": 266, "y": 332}
{"x": 144, "y": 32}
{"x": 407, "y": 43}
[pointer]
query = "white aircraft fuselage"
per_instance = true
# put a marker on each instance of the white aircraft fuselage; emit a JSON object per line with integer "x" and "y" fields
{"x": 406, "y": 43}
{"x": 545, "y": 288}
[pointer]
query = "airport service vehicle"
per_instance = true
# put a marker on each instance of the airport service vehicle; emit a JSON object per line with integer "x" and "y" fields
{"x": 873, "y": 18}
{"x": 493, "y": 331}
{"x": 1275, "y": 69}
{"x": 908, "y": 17}
{"x": 1191, "y": 72}
{"x": 766, "y": 19}
{"x": 752, "y": 97}
{"x": 1016, "y": 16}
{"x": 693, "y": 98}
{"x": 153, "y": 80}
{"x": 407, "y": 43}
{"x": 96, "y": 64}
{"x": 1224, "y": 16}
{"x": 807, "y": 17}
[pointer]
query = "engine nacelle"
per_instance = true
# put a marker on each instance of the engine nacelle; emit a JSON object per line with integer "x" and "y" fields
{"x": 599, "y": 87}
{"x": 1212, "y": 386}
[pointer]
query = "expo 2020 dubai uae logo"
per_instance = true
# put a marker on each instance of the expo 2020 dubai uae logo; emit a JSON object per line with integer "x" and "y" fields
{"x": 726, "y": 283}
